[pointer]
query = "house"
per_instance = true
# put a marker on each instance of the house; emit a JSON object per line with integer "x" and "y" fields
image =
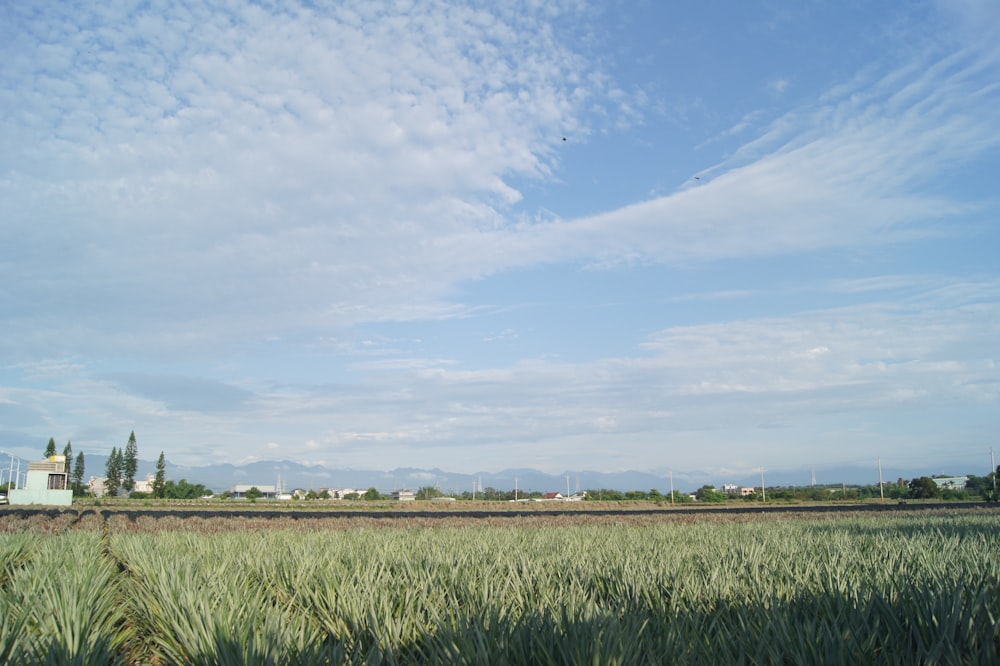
{"x": 45, "y": 483}
{"x": 403, "y": 495}
{"x": 730, "y": 488}
{"x": 746, "y": 492}
{"x": 550, "y": 497}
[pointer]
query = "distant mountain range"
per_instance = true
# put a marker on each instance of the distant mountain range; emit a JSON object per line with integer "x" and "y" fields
{"x": 293, "y": 475}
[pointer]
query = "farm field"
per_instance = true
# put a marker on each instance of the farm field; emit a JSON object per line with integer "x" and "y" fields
{"x": 881, "y": 588}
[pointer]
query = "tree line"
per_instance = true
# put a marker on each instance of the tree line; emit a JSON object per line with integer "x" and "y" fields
{"x": 923, "y": 487}
{"x": 120, "y": 470}
{"x": 977, "y": 487}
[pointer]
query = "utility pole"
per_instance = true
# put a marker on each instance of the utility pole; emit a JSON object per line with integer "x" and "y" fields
{"x": 671, "y": 487}
{"x": 993, "y": 470}
{"x": 13, "y": 477}
{"x": 881, "y": 490}
{"x": 763, "y": 493}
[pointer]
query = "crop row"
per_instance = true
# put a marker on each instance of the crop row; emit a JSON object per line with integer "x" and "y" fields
{"x": 870, "y": 589}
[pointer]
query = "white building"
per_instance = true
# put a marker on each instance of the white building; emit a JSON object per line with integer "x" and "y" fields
{"x": 145, "y": 486}
{"x": 240, "y": 491}
{"x": 96, "y": 486}
{"x": 45, "y": 483}
{"x": 951, "y": 482}
{"x": 341, "y": 493}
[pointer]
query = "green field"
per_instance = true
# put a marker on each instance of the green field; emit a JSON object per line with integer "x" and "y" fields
{"x": 872, "y": 589}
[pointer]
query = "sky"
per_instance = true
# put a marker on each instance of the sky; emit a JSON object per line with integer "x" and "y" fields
{"x": 559, "y": 235}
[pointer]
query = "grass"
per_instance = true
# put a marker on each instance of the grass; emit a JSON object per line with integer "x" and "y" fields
{"x": 874, "y": 589}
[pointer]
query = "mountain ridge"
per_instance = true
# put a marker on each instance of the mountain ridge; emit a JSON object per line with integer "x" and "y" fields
{"x": 292, "y": 475}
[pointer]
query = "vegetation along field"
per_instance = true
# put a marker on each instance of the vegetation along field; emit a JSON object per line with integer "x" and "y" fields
{"x": 883, "y": 588}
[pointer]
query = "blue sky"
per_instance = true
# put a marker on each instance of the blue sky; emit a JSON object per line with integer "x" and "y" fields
{"x": 563, "y": 235}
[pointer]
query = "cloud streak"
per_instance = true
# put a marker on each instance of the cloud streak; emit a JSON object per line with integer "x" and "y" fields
{"x": 930, "y": 354}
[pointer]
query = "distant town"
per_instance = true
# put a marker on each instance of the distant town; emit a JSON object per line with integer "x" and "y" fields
{"x": 58, "y": 478}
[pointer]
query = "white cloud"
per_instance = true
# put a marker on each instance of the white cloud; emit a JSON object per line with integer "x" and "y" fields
{"x": 334, "y": 168}
{"x": 185, "y": 182}
{"x": 909, "y": 359}
{"x": 226, "y": 162}
{"x": 778, "y": 86}
{"x": 844, "y": 174}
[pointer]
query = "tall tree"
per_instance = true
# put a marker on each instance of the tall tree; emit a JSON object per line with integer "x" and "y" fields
{"x": 130, "y": 463}
{"x": 160, "y": 480}
{"x": 78, "y": 474}
{"x": 68, "y": 454}
{"x": 50, "y": 448}
{"x": 113, "y": 473}
{"x": 924, "y": 487}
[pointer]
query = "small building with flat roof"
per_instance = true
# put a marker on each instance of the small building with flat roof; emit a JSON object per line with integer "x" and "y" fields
{"x": 240, "y": 491}
{"x": 46, "y": 482}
